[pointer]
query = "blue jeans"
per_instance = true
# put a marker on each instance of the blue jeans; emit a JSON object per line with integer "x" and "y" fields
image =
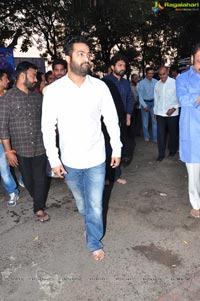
{"x": 145, "y": 121}
{"x": 87, "y": 187}
{"x": 7, "y": 179}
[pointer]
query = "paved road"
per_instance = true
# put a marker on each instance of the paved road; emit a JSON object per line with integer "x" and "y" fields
{"x": 151, "y": 242}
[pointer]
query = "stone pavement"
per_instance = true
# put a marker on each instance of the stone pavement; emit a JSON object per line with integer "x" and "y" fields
{"x": 188, "y": 290}
{"x": 151, "y": 241}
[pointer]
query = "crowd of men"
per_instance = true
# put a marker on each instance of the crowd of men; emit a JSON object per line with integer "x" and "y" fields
{"x": 84, "y": 128}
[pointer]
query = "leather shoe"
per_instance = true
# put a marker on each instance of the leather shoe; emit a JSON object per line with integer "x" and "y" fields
{"x": 159, "y": 159}
{"x": 171, "y": 154}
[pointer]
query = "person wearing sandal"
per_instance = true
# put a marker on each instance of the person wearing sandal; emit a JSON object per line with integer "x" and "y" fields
{"x": 20, "y": 122}
{"x": 81, "y": 100}
{"x": 188, "y": 93}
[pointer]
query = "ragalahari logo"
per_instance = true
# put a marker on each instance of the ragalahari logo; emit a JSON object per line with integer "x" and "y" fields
{"x": 157, "y": 7}
{"x": 177, "y": 6}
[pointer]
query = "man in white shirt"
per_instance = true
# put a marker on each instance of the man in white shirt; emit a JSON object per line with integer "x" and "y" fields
{"x": 166, "y": 112}
{"x": 75, "y": 103}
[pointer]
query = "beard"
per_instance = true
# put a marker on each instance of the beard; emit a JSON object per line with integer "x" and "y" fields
{"x": 80, "y": 70}
{"x": 120, "y": 73}
{"x": 28, "y": 84}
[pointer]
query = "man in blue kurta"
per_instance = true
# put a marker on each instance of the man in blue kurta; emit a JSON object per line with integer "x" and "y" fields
{"x": 188, "y": 93}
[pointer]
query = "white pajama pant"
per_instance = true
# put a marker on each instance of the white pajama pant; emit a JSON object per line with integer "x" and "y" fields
{"x": 193, "y": 170}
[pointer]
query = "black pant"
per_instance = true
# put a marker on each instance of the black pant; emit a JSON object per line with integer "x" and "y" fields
{"x": 164, "y": 125}
{"x": 136, "y": 122}
{"x": 127, "y": 139}
{"x": 33, "y": 170}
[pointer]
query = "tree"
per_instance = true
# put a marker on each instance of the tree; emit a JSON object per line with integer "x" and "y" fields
{"x": 111, "y": 25}
{"x": 10, "y": 25}
{"x": 40, "y": 20}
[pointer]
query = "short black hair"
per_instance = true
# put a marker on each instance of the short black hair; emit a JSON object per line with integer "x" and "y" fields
{"x": 118, "y": 57}
{"x": 134, "y": 75}
{"x": 174, "y": 68}
{"x": 59, "y": 61}
{"x": 71, "y": 40}
{"x": 147, "y": 69}
{"x": 39, "y": 76}
{"x": 196, "y": 48}
{"x": 2, "y": 73}
{"x": 47, "y": 74}
{"x": 23, "y": 67}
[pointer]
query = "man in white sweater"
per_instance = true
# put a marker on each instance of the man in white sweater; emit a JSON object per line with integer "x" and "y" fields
{"x": 75, "y": 103}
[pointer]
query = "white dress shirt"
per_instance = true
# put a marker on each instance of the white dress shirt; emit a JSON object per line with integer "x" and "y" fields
{"x": 165, "y": 97}
{"x": 77, "y": 112}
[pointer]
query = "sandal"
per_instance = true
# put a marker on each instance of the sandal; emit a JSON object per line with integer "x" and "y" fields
{"x": 42, "y": 217}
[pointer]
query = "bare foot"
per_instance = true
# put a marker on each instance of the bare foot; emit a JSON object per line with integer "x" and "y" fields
{"x": 195, "y": 213}
{"x": 121, "y": 181}
{"x": 98, "y": 254}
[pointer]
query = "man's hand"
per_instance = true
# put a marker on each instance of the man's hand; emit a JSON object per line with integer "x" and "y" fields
{"x": 128, "y": 119}
{"x": 59, "y": 171}
{"x": 10, "y": 153}
{"x": 198, "y": 100}
{"x": 12, "y": 159}
{"x": 146, "y": 109}
{"x": 115, "y": 161}
{"x": 170, "y": 111}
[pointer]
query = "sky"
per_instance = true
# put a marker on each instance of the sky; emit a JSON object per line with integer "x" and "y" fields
{"x": 32, "y": 52}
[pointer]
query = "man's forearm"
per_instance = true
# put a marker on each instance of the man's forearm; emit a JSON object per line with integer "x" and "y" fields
{"x": 6, "y": 144}
{"x": 10, "y": 153}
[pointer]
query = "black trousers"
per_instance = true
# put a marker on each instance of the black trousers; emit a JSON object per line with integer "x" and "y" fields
{"x": 136, "y": 122}
{"x": 33, "y": 170}
{"x": 167, "y": 125}
{"x": 127, "y": 139}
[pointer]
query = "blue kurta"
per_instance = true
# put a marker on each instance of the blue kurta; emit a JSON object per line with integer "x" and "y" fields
{"x": 188, "y": 90}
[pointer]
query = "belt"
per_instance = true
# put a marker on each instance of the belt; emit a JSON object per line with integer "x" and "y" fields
{"x": 148, "y": 100}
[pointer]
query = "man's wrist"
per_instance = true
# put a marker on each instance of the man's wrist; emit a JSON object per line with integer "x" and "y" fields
{"x": 10, "y": 151}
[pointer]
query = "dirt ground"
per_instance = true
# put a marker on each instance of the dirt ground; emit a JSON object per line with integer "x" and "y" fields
{"x": 151, "y": 242}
